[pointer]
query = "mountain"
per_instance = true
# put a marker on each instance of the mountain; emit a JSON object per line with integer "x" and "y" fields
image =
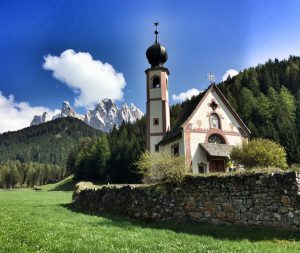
{"x": 39, "y": 119}
{"x": 105, "y": 115}
{"x": 66, "y": 111}
{"x": 48, "y": 143}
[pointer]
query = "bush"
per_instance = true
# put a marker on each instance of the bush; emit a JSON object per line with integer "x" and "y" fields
{"x": 161, "y": 167}
{"x": 260, "y": 153}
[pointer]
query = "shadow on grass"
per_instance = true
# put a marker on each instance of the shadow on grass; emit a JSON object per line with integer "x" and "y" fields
{"x": 221, "y": 232}
{"x": 66, "y": 186}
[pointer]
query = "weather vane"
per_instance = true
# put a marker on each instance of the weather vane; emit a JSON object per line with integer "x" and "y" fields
{"x": 211, "y": 77}
{"x": 156, "y": 32}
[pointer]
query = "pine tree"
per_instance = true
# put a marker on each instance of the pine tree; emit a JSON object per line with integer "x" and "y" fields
{"x": 13, "y": 176}
{"x": 99, "y": 157}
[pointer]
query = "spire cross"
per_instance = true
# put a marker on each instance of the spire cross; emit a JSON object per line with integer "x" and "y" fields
{"x": 156, "y": 32}
{"x": 211, "y": 77}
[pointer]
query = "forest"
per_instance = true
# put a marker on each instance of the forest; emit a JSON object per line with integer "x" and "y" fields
{"x": 111, "y": 157}
{"x": 266, "y": 97}
{"x": 14, "y": 174}
{"x": 37, "y": 155}
{"x": 48, "y": 143}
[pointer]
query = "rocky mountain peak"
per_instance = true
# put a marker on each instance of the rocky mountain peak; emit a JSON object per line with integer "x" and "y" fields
{"x": 108, "y": 104}
{"x": 38, "y": 119}
{"x": 67, "y": 110}
{"x": 104, "y": 116}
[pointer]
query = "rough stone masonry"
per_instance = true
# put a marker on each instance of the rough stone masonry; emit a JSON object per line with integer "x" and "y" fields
{"x": 270, "y": 200}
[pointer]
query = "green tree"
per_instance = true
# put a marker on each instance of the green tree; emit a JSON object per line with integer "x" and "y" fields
{"x": 14, "y": 176}
{"x": 126, "y": 144}
{"x": 99, "y": 157}
{"x": 4, "y": 172}
{"x": 89, "y": 161}
{"x": 71, "y": 160}
{"x": 248, "y": 103}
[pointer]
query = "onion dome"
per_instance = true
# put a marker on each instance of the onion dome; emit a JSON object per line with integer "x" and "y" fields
{"x": 156, "y": 54}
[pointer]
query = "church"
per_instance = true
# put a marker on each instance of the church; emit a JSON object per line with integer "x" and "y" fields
{"x": 207, "y": 128}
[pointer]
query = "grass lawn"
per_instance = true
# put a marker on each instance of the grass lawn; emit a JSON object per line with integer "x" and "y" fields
{"x": 40, "y": 221}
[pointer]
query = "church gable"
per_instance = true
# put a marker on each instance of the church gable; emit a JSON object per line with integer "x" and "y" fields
{"x": 213, "y": 113}
{"x": 202, "y": 112}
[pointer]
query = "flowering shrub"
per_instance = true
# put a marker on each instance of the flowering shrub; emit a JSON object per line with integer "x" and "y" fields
{"x": 161, "y": 167}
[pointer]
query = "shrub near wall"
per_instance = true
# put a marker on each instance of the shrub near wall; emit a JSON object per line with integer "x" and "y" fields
{"x": 269, "y": 200}
{"x": 260, "y": 153}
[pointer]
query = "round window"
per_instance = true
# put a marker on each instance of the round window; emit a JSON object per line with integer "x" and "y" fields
{"x": 214, "y": 138}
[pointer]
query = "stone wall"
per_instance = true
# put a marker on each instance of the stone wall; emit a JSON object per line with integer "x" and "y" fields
{"x": 270, "y": 200}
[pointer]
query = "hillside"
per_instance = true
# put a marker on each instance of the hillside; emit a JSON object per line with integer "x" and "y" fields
{"x": 49, "y": 142}
{"x": 267, "y": 98}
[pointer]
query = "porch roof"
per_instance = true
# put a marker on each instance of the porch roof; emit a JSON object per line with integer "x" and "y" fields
{"x": 220, "y": 150}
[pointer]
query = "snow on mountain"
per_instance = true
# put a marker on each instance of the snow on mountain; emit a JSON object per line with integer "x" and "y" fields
{"x": 66, "y": 111}
{"x": 39, "y": 119}
{"x": 105, "y": 115}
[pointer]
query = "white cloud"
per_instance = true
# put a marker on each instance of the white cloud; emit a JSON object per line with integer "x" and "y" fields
{"x": 231, "y": 72}
{"x": 91, "y": 80}
{"x": 185, "y": 95}
{"x": 17, "y": 115}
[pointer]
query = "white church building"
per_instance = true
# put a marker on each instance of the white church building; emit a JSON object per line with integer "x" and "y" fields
{"x": 207, "y": 128}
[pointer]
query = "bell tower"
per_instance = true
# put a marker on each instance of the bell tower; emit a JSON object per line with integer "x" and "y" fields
{"x": 158, "y": 111}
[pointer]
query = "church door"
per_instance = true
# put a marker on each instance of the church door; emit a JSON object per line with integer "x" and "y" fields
{"x": 216, "y": 166}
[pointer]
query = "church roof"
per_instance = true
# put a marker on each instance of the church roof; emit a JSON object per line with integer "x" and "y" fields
{"x": 186, "y": 111}
{"x": 220, "y": 150}
{"x": 190, "y": 107}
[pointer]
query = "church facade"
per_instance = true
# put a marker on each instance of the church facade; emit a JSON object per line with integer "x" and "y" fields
{"x": 207, "y": 128}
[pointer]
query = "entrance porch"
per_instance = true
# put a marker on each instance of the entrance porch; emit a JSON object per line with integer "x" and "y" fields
{"x": 217, "y": 156}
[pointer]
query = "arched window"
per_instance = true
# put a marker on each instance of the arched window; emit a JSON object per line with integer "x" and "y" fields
{"x": 215, "y": 138}
{"x": 214, "y": 121}
{"x": 156, "y": 82}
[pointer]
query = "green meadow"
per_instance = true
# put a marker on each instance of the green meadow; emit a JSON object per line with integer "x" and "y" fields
{"x": 44, "y": 221}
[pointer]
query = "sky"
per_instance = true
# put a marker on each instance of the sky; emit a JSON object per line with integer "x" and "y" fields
{"x": 84, "y": 51}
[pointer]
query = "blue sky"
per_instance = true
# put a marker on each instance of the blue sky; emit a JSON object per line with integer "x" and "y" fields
{"x": 200, "y": 36}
